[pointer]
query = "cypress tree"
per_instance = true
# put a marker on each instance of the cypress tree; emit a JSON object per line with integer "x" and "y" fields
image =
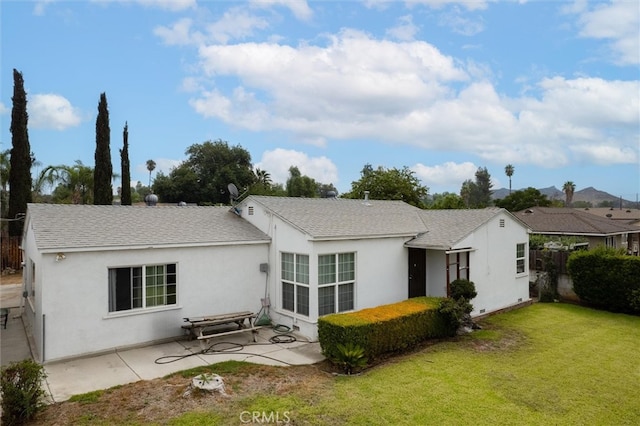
{"x": 20, "y": 162}
{"x": 125, "y": 194}
{"x": 103, "y": 171}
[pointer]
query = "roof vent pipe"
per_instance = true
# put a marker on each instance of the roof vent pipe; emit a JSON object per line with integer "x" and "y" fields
{"x": 366, "y": 196}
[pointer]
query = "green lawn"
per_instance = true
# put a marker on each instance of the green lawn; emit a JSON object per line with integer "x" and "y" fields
{"x": 547, "y": 364}
{"x": 544, "y": 364}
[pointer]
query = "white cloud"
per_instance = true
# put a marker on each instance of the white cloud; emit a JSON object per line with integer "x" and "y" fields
{"x": 606, "y": 155}
{"x": 3, "y": 109}
{"x": 409, "y": 93}
{"x": 448, "y": 175}
{"x": 40, "y": 6}
{"x": 406, "y": 30}
{"x": 51, "y": 111}
{"x": 461, "y": 24}
{"x": 179, "y": 33}
{"x": 235, "y": 24}
{"x": 278, "y": 162}
{"x": 438, "y": 4}
{"x": 618, "y": 22}
{"x": 170, "y": 5}
{"x": 299, "y": 8}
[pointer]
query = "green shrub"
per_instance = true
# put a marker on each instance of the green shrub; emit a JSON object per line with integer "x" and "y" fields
{"x": 462, "y": 289}
{"x": 22, "y": 393}
{"x": 386, "y": 328}
{"x": 453, "y": 313}
{"x": 350, "y": 357}
{"x": 606, "y": 278}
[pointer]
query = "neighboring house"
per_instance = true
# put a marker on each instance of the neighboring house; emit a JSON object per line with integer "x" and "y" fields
{"x": 105, "y": 277}
{"x": 625, "y": 216}
{"x": 558, "y": 221}
{"x": 568, "y": 222}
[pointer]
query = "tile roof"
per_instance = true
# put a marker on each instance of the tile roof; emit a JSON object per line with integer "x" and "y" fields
{"x": 569, "y": 221}
{"x": 323, "y": 218}
{"x": 66, "y": 226}
{"x": 448, "y": 227}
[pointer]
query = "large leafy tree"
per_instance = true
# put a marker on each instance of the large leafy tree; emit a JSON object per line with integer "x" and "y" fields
{"x": 75, "y": 184}
{"x": 204, "y": 177}
{"x": 301, "y": 186}
{"x": 21, "y": 158}
{"x": 520, "y": 200}
{"x": 447, "y": 201}
{"x": 103, "y": 171}
{"x": 389, "y": 184}
{"x": 125, "y": 192}
{"x": 477, "y": 194}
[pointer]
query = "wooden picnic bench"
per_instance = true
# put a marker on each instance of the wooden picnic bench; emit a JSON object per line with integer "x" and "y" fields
{"x": 203, "y": 328}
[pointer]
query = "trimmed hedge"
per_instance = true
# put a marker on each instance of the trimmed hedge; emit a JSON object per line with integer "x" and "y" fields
{"x": 606, "y": 279}
{"x": 386, "y": 328}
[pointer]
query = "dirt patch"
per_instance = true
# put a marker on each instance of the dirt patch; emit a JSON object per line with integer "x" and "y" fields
{"x": 11, "y": 277}
{"x": 160, "y": 400}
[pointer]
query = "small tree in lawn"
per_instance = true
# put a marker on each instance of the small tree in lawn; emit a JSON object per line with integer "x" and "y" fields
{"x": 125, "y": 195}
{"x": 103, "y": 171}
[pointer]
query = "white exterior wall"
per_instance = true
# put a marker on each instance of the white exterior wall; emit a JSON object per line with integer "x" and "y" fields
{"x": 75, "y": 296}
{"x": 492, "y": 266}
{"x": 381, "y": 268}
{"x": 436, "y": 273}
{"x": 33, "y": 285}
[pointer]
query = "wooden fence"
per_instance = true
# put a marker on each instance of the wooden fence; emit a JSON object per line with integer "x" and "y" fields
{"x": 536, "y": 260}
{"x": 11, "y": 254}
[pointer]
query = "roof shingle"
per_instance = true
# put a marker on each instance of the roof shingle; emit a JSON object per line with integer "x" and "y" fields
{"x": 65, "y": 226}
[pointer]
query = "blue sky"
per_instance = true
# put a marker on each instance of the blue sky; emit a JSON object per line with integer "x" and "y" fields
{"x": 440, "y": 86}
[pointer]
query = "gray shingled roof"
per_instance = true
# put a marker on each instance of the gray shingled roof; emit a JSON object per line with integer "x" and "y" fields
{"x": 448, "y": 227}
{"x": 64, "y": 226}
{"x": 570, "y": 221}
{"x": 327, "y": 218}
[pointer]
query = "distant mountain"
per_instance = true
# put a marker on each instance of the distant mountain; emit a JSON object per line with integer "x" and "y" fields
{"x": 590, "y": 195}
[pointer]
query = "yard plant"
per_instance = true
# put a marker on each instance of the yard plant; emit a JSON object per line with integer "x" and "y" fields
{"x": 545, "y": 364}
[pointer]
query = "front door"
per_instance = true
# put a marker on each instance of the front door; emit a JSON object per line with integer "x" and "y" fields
{"x": 417, "y": 273}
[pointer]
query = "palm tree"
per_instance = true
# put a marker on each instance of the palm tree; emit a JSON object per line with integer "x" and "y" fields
{"x": 508, "y": 170}
{"x": 569, "y": 188}
{"x": 263, "y": 177}
{"x": 151, "y": 166}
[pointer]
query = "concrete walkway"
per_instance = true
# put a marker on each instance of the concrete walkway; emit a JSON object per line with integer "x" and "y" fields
{"x": 82, "y": 375}
{"x": 14, "y": 344}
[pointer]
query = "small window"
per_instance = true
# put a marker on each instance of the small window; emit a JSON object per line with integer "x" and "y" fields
{"x": 521, "y": 250}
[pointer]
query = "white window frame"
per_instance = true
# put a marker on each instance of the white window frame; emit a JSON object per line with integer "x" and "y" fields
{"x": 521, "y": 261}
{"x": 294, "y": 275}
{"x": 333, "y": 276}
{"x": 156, "y": 288}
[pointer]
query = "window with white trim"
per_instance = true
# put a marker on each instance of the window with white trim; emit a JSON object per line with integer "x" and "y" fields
{"x": 521, "y": 253}
{"x": 139, "y": 287}
{"x": 295, "y": 283}
{"x": 336, "y": 282}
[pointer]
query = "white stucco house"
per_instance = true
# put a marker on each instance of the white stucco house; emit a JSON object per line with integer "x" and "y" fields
{"x": 99, "y": 278}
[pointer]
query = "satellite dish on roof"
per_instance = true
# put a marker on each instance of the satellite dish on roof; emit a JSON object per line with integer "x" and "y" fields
{"x": 233, "y": 190}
